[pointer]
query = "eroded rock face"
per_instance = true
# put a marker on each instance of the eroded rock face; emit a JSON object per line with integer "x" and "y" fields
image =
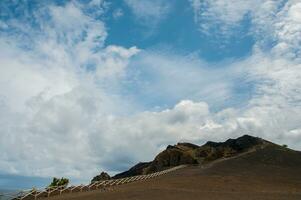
{"x": 135, "y": 170}
{"x": 101, "y": 177}
{"x": 172, "y": 156}
{"x": 240, "y": 144}
{"x": 215, "y": 150}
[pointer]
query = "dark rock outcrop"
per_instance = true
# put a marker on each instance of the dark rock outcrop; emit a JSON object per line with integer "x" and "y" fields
{"x": 215, "y": 150}
{"x": 172, "y": 156}
{"x": 101, "y": 177}
{"x": 135, "y": 170}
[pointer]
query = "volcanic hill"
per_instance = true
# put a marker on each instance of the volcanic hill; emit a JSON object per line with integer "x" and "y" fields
{"x": 186, "y": 153}
{"x": 246, "y": 168}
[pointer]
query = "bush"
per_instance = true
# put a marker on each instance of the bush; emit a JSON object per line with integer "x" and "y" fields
{"x": 284, "y": 145}
{"x": 59, "y": 182}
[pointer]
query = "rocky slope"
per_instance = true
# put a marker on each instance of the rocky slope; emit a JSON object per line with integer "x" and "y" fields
{"x": 186, "y": 153}
{"x": 101, "y": 176}
{"x": 263, "y": 171}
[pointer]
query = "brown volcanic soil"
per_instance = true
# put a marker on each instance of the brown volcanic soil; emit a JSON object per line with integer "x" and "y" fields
{"x": 266, "y": 174}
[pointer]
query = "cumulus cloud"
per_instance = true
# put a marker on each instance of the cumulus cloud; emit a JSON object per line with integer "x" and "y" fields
{"x": 150, "y": 131}
{"x": 53, "y": 90}
{"x": 272, "y": 112}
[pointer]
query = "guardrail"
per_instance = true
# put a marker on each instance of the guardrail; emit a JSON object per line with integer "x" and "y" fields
{"x": 34, "y": 194}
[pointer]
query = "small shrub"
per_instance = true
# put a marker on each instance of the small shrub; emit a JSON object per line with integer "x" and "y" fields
{"x": 59, "y": 182}
{"x": 284, "y": 145}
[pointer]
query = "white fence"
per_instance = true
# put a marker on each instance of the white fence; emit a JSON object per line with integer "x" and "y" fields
{"x": 34, "y": 194}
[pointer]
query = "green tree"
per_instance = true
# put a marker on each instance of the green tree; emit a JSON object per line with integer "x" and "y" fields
{"x": 59, "y": 182}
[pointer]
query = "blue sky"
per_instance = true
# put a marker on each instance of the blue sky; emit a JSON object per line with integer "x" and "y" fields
{"x": 85, "y": 86}
{"x": 178, "y": 31}
{"x": 17, "y": 182}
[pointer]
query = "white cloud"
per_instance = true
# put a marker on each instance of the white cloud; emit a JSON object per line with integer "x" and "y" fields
{"x": 117, "y": 13}
{"x": 273, "y": 111}
{"x": 50, "y": 99}
{"x": 113, "y": 61}
{"x": 223, "y": 15}
{"x": 272, "y": 21}
{"x": 149, "y": 12}
{"x": 287, "y": 29}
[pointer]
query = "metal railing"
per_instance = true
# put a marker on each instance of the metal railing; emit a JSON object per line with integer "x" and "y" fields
{"x": 34, "y": 194}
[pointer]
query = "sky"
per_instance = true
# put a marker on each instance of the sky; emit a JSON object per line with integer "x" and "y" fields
{"x": 97, "y": 85}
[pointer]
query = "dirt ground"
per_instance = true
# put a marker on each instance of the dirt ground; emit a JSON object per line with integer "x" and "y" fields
{"x": 262, "y": 175}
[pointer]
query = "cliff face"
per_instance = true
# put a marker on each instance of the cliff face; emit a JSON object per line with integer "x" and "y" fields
{"x": 135, "y": 170}
{"x": 172, "y": 156}
{"x": 215, "y": 150}
{"x": 186, "y": 153}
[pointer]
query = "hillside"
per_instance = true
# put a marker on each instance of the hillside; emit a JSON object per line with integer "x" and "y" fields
{"x": 186, "y": 153}
{"x": 256, "y": 170}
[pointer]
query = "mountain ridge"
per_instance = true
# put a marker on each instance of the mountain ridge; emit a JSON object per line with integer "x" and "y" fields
{"x": 246, "y": 168}
{"x": 192, "y": 154}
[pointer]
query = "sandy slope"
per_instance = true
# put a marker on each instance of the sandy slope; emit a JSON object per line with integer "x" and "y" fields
{"x": 268, "y": 174}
